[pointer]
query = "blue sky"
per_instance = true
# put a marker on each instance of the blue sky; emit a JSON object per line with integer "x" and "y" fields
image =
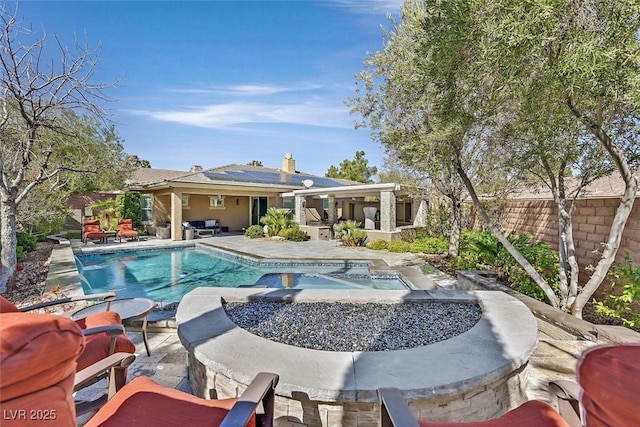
{"x": 219, "y": 82}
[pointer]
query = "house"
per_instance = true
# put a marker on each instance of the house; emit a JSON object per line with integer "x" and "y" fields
{"x": 239, "y": 195}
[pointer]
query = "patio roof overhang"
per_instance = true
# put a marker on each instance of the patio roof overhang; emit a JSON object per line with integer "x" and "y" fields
{"x": 347, "y": 191}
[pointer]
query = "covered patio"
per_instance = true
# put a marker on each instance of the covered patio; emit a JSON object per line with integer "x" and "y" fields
{"x": 383, "y": 209}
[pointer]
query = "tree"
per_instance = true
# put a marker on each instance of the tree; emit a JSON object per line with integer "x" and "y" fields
{"x": 37, "y": 121}
{"x": 136, "y": 162}
{"x": 255, "y": 163}
{"x": 579, "y": 63}
{"x": 357, "y": 169}
{"x": 454, "y": 75}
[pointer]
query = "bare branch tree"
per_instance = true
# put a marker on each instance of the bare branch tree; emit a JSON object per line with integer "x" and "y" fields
{"x": 38, "y": 92}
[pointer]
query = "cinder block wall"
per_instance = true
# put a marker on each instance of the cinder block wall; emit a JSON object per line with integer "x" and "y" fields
{"x": 591, "y": 225}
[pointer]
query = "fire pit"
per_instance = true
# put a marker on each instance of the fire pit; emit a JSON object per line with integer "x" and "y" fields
{"x": 475, "y": 369}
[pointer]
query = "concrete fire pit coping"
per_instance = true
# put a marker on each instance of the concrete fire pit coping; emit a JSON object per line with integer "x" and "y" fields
{"x": 498, "y": 344}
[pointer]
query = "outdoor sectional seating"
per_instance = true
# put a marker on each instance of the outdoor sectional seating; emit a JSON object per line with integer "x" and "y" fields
{"x": 206, "y": 227}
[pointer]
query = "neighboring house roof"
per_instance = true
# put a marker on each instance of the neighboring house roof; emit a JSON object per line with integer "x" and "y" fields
{"x": 233, "y": 175}
{"x": 79, "y": 201}
{"x": 605, "y": 187}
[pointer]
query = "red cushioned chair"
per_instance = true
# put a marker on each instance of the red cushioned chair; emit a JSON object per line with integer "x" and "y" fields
{"x": 104, "y": 336}
{"x": 91, "y": 230}
{"x": 38, "y": 354}
{"x": 126, "y": 230}
{"x": 608, "y": 393}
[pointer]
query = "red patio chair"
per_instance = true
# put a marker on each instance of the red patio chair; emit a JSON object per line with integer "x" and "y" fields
{"x": 91, "y": 230}
{"x": 104, "y": 336}
{"x": 126, "y": 230}
{"x": 608, "y": 391}
{"x": 38, "y": 366}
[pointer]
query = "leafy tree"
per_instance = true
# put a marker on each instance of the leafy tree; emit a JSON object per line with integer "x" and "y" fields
{"x": 454, "y": 75}
{"x": 357, "y": 169}
{"x": 578, "y": 62}
{"x": 255, "y": 163}
{"x": 38, "y": 127}
{"x": 134, "y": 161}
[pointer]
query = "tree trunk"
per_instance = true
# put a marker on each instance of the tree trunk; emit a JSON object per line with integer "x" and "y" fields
{"x": 9, "y": 242}
{"x": 610, "y": 248}
{"x": 535, "y": 276}
{"x": 454, "y": 235}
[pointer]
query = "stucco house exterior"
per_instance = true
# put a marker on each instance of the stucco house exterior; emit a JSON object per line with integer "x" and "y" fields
{"x": 238, "y": 195}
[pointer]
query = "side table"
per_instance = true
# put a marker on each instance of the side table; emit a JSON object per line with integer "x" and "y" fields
{"x": 129, "y": 309}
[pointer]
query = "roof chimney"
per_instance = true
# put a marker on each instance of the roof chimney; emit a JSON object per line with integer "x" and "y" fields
{"x": 196, "y": 168}
{"x": 288, "y": 164}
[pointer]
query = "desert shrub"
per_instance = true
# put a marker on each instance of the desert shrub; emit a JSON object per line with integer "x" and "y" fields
{"x": 408, "y": 235}
{"x": 294, "y": 234}
{"x": 27, "y": 241}
{"x": 255, "y": 232}
{"x": 624, "y": 300}
{"x": 276, "y": 220}
{"x": 378, "y": 244}
{"x": 398, "y": 246}
{"x": 20, "y": 253}
{"x": 349, "y": 233}
{"x": 429, "y": 245}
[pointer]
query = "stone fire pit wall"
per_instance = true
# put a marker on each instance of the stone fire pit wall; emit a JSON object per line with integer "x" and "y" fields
{"x": 474, "y": 376}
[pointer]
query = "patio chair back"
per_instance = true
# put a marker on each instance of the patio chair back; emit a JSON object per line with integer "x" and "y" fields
{"x": 609, "y": 376}
{"x": 38, "y": 355}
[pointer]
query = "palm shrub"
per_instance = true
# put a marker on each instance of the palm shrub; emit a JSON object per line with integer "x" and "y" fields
{"x": 349, "y": 233}
{"x": 276, "y": 220}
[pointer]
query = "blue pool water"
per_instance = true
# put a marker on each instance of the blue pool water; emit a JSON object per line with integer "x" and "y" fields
{"x": 166, "y": 275}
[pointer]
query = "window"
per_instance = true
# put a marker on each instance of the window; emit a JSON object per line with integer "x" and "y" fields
{"x": 216, "y": 201}
{"x": 146, "y": 205}
{"x": 185, "y": 201}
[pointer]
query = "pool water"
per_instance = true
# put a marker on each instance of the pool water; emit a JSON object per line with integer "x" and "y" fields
{"x": 167, "y": 275}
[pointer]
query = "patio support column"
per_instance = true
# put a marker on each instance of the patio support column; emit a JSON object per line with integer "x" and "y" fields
{"x": 176, "y": 215}
{"x": 421, "y": 208}
{"x": 387, "y": 211}
{"x": 332, "y": 210}
{"x": 299, "y": 205}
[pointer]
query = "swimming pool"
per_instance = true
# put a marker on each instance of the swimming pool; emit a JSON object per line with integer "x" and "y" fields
{"x": 166, "y": 275}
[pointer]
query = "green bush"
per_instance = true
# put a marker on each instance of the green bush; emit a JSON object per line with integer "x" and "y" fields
{"x": 429, "y": 245}
{"x": 398, "y": 246}
{"x": 624, "y": 300}
{"x": 20, "y": 253}
{"x": 27, "y": 241}
{"x": 378, "y": 244}
{"x": 294, "y": 234}
{"x": 482, "y": 250}
{"x": 255, "y": 232}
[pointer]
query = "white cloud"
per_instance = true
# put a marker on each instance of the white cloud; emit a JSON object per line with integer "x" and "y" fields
{"x": 248, "y": 89}
{"x": 370, "y": 6}
{"x": 229, "y": 115}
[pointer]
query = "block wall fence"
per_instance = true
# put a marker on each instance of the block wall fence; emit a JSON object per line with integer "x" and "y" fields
{"x": 591, "y": 225}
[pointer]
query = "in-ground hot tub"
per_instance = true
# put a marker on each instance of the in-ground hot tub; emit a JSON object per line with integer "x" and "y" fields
{"x": 475, "y": 375}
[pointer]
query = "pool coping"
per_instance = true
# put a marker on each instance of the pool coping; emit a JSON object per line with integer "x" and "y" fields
{"x": 498, "y": 344}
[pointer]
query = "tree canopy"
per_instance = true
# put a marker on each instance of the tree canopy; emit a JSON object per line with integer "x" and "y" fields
{"x": 357, "y": 169}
